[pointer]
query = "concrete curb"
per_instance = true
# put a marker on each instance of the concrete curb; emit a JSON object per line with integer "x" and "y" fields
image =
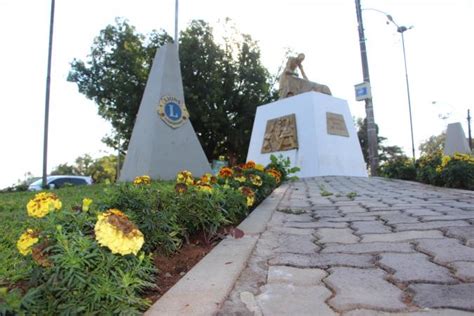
{"x": 204, "y": 288}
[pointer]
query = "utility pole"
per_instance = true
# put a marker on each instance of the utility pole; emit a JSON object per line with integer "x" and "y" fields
{"x": 469, "y": 128}
{"x": 46, "y": 107}
{"x": 176, "y": 23}
{"x": 369, "y": 109}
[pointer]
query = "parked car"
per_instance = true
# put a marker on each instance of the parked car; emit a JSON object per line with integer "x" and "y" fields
{"x": 55, "y": 182}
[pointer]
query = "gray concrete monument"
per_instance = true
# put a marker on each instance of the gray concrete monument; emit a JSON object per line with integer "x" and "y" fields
{"x": 456, "y": 140}
{"x": 163, "y": 140}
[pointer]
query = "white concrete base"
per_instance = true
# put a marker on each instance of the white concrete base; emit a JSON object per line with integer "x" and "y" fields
{"x": 319, "y": 153}
{"x": 456, "y": 141}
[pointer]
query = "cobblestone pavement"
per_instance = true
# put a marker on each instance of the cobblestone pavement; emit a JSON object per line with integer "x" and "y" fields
{"x": 358, "y": 246}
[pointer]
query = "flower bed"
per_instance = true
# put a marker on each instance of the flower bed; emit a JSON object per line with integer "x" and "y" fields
{"x": 456, "y": 171}
{"x": 97, "y": 256}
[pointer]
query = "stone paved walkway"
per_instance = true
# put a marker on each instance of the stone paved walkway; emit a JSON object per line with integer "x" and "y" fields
{"x": 356, "y": 246}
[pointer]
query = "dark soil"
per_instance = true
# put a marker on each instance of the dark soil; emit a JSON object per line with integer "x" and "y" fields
{"x": 172, "y": 268}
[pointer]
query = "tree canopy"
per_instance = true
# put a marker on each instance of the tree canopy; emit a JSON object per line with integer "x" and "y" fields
{"x": 385, "y": 153}
{"x": 433, "y": 145}
{"x": 102, "y": 170}
{"x": 224, "y": 81}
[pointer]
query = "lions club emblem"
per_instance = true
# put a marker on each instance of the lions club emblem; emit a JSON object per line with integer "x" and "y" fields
{"x": 172, "y": 111}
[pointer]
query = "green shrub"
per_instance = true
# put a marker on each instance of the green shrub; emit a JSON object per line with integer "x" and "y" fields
{"x": 195, "y": 211}
{"x": 283, "y": 165}
{"x": 426, "y": 169}
{"x": 143, "y": 203}
{"x": 72, "y": 274}
{"x": 399, "y": 168}
{"x": 457, "y": 171}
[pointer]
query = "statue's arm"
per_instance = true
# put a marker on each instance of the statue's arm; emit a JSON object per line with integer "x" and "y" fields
{"x": 303, "y": 74}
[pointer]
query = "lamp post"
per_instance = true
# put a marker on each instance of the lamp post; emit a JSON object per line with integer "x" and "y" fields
{"x": 46, "y": 107}
{"x": 402, "y": 30}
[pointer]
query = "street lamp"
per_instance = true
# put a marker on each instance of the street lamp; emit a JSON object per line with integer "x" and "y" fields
{"x": 401, "y": 30}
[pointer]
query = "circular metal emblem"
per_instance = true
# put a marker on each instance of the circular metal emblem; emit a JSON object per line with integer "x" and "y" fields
{"x": 172, "y": 111}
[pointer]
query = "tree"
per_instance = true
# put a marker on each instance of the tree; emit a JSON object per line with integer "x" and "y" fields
{"x": 102, "y": 170}
{"x": 64, "y": 169}
{"x": 433, "y": 144}
{"x": 223, "y": 84}
{"x": 385, "y": 153}
{"x": 115, "y": 75}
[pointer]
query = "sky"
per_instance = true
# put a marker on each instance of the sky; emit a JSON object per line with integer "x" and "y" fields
{"x": 439, "y": 52}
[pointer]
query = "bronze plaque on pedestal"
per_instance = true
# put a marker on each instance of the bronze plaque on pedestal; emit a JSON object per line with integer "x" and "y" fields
{"x": 336, "y": 125}
{"x": 280, "y": 134}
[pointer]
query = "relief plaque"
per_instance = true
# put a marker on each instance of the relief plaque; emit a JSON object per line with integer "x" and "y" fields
{"x": 280, "y": 134}
{"x": 336, "y": 125}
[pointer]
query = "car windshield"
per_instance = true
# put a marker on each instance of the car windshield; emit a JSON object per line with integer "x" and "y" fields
{"x": 37, "y": 182}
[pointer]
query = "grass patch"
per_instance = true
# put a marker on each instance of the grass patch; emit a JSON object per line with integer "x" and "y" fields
{"x": 14, "y": 220}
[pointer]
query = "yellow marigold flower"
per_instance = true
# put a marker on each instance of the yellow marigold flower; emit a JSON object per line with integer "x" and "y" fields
{"x": 259, "y": 167}
{"x": 42, "y": 204}
{"x": 240, "y": 178}
{"x": 445, "y": 160}
{"x": 206, "y": 178}
{"x": 115, "y": 231}
{"x": 256, "y": 180}
{"x": 225, "y": 172}
{"x": 86, "y": 203}
{"x": 463, "y": 157}
{"x": 250, "y": 200}
{"x": 205, "y": 187}
{"x": 185, "y": 177}
{"x": 142, "y": 180}
{"x": 249, "y": 165}
{"x": 26, "y": 241}
{"x": 249, "y": 194}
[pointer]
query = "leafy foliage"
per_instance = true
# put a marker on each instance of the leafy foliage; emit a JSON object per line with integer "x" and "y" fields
{"x": 399, "y": 168}
{"x": 455, "y": 171}
{"x": 433, "y": 144}
{"x": 71, "y": 274}
{"x": 102, "y": 170}
{"x": 426, "y": 168}
{"x": 385, "y": 153}
{"x": 115, "y": 75}
{"x": 283, "y": 165}
{"x": 72, "y": 265}
{"x": 223, "y": 84}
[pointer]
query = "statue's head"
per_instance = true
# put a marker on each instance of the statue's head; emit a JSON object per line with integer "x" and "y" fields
{"x": 300, "y": 57}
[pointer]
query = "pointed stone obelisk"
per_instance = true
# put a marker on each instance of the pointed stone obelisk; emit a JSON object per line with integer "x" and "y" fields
{"x": 456, "y": 141}
{"x": 163, "y": 140}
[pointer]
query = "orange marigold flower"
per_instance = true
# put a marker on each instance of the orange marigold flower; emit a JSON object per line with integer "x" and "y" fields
{"x": 249, "y": 165}
{"x": 246, "y": 191}
{"x": 275, "y": 174}
{"x": 225, "y": 172}
{"x": 206, "y": 178}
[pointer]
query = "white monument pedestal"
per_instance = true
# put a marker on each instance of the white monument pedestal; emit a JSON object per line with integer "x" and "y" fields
{"x": 322, "y": 150}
